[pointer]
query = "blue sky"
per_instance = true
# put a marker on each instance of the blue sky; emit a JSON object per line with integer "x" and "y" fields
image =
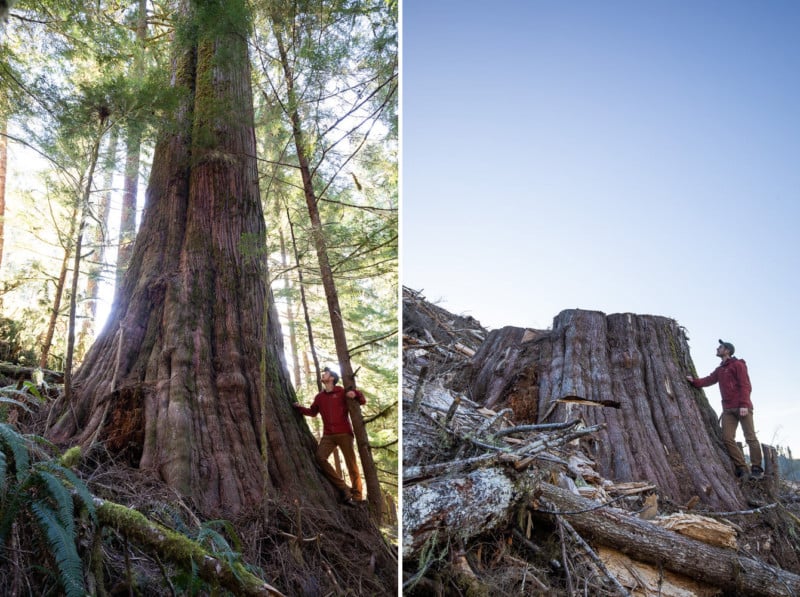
{"x": 617, "y": 156}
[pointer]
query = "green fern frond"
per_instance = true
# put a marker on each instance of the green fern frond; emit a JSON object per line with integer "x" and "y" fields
{"x": 4, "y": 400}
{"x": 19, "y": 448}
{"x": 28, "y": 393}
{"x": 33, "y": 389}
{"x": 62, "y": 544}
{"x": 210, "y": 537}
{"x": 3, "y": 471}
{"x": 219, "y": 545}
{"x": 75, "y": 484}
{"x": 62, "y": 498}
{"x": 229, "y": 529}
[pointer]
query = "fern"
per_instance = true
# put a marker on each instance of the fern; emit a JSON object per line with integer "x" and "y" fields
{"x": 47, "y": 490}
{"x": 29, "y": 392}
{"x": 75, "y": 484}
{"x": 228, "y": 528}
{"x": 3, "y": 469}
{"x": 4, "y": 400}
{"x": 19, "y": 448}
{"x": 219, "y": 545}
{"x": 61, "y": 496}
{"x": 62, "y": 543}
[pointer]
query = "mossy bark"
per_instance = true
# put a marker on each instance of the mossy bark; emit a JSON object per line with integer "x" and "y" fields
{"x": 180, "y": 360}
{"x": 182, "y": 551}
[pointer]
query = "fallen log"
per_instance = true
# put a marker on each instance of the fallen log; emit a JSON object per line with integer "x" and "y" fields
{"x": 647, "y": 542}
{"x": 464, "y": 507}
{"x": 18, "y": 372}
{"x": 486, "y": 499}
{"x": 181, "y": 550}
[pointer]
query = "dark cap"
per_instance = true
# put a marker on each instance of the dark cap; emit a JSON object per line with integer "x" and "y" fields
{"x": 333, "y": 374}
{"x": 729, "y": 346}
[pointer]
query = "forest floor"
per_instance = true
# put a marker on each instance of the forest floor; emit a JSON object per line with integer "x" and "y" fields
{"x": 448, "y": 442}
{"x": 295, "y": 549}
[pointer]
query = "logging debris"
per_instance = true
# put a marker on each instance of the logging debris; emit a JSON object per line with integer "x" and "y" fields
{"x": 496, "y": 504}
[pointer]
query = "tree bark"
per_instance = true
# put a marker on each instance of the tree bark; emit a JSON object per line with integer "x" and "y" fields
{"x": 664, "y": 430}
{"x": 188, "y": 378}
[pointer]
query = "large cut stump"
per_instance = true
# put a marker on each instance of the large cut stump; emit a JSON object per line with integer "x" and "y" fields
{"x": 663, "y": 430}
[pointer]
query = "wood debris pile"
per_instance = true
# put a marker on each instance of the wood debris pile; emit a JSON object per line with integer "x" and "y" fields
{"x": 492, "y": 506}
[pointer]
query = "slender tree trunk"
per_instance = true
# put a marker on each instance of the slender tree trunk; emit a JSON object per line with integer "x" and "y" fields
{"x": 130, "y": 192}
{"x": 188, "y": 378}
{"x": 3, "y": 167}
{"x": 83, "y": 208}
{"x": 304, "y": 303}
{"x": 374, "y": 496}
{"x": 289, "y": 313}
{"x": 100, "y": 241}
{"x": 59, "y": 292}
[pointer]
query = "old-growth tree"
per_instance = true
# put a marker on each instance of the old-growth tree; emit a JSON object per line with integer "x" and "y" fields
{"x": 187, "y": 377}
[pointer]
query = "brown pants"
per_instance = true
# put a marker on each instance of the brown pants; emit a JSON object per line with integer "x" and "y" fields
{"x": 344, "y": 441}
{"x": 729, "y": 420}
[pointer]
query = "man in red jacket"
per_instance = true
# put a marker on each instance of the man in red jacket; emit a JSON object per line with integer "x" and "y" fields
{"x": 331, "y": 403}
{"x": 734, "y": 386}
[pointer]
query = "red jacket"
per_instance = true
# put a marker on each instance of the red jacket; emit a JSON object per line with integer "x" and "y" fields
{"x": 333, "y": 408}
{"x": 734, "y": 383}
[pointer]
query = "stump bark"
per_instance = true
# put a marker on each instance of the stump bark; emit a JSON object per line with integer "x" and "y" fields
{"x": 664, "y": 430}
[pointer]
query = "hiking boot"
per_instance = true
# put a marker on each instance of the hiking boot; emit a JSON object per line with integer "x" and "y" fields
{"x": 741, "y": 472}
{"x": 756, "y": 472}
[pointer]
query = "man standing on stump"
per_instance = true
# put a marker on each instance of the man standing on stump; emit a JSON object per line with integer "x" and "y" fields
{"x": 734, "y": 386}
{"x": 331, "y": 403}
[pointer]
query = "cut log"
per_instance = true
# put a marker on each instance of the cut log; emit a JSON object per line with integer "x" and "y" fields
{"x": 647, "y": 542}
{"x": 705, "y": 529}
{"x": 495, "y": 363}
{"x": 486, "y": 499}
{"x": 645, "y": 580}
{"x": 465, "y": 507}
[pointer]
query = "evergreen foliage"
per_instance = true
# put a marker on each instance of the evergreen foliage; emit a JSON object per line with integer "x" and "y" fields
{"x": 44, "y": 492}
{"x": 66, "y": 81}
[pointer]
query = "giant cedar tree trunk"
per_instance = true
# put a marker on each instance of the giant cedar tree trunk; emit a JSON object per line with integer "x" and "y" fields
{"x": 664, "y": 431}
{"x": 187, "y": 377}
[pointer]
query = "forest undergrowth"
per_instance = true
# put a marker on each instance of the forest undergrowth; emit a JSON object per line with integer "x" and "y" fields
{"x": 294, "y": 548}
